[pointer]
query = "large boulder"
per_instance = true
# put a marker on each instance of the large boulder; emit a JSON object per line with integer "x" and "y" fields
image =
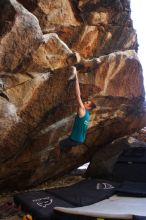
{"x": 37, "y": 99}
{"x": 93, "y": 28}
{"x": 46, "y": 104}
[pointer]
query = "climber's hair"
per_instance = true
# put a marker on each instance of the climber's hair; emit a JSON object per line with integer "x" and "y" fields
{"x": 93, "y": 105}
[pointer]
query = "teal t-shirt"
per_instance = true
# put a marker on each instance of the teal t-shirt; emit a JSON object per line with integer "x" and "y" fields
{"x": 80, "y": 127}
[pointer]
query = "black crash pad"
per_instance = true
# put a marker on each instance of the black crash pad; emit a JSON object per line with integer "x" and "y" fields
{"x": 40, "y": 204}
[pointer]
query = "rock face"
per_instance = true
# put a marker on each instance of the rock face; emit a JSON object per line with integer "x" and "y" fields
{"x": 21, "y": 35}
{"x": 37, "y": 99}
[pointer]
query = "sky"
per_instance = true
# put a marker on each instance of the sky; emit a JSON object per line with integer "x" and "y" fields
{"x": 138, "y": 15}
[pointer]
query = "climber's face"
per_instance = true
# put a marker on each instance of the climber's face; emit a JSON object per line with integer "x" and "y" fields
{"x": 87, "y": 105}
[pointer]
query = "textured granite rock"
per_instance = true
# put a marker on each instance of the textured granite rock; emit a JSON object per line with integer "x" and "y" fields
{"x": 20, "y": 36}
{"x": 38, "y": 40}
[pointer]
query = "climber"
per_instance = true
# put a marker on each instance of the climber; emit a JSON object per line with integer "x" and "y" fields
{"x": 78, "y": 133}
